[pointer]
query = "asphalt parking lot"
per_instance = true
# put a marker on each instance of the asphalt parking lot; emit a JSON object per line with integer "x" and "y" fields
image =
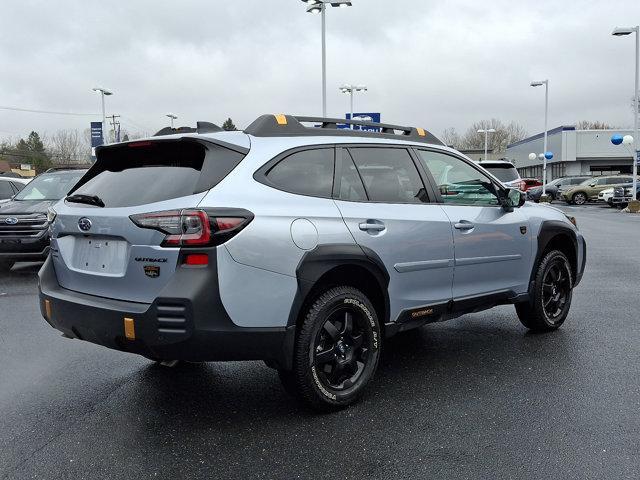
{"x": 477, "y": 397}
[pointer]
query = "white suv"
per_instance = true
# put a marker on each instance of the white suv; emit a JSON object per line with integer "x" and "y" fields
{"x": 301, "y": 246}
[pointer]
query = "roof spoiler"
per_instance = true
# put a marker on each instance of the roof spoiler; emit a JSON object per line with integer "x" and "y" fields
{"x": 201, "y": 127}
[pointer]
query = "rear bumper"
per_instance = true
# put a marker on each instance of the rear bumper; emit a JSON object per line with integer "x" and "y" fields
{"x": 582, "y": 260}
{"x": 191, "y": 324}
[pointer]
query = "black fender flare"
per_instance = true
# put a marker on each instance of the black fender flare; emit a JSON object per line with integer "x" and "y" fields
{"x": 317, "y": 262}
{"x": 550, "y": 229}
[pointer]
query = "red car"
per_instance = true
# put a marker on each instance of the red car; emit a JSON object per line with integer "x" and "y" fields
{"x": 531, "y": 183}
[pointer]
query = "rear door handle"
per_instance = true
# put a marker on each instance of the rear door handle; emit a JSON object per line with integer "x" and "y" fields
{"x": 464, "y": 225}
{"x": 376, "y": 227}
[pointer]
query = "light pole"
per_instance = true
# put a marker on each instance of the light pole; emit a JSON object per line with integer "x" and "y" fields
{"x": 546, "y": 118}
{"x": 320, "y": 6}
{"x": 350, "y": 89}
{"x": 619, "y": 32}
{"x": 486, "y": 139}
{"x": 172, "y": 117}
{"x": 103, "y": 92}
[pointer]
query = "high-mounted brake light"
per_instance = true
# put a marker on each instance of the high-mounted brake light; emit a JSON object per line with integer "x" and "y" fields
{"x": 194, "y": 228}
{"x": 140, "y": 144}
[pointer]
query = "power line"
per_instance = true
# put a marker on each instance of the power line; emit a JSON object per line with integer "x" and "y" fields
{"x": 48, "y": 112}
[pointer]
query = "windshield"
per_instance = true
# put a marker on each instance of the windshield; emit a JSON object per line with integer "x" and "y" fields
{"x": 504, "y": 173}
{"x": 50, "y": 186}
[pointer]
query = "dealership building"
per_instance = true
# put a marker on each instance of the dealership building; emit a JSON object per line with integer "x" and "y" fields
{"x": 575, "y": 152}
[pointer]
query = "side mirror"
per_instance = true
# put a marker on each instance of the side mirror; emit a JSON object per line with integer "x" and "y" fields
{"x": 512, "y": 198}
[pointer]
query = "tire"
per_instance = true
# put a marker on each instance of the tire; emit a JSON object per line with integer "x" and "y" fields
{"x": 579, "y": 198}
{"x": 552, "y": 292}
{"x": 336, "y": 352}
{"x": 5, "y": 265}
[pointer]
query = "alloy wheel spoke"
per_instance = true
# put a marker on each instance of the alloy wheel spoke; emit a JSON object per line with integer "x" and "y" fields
{"x": 331, "y": 329}
{"x": 348, "y": 323}
{"x": 357, "y": 341}
{"x": 325, "y": 357}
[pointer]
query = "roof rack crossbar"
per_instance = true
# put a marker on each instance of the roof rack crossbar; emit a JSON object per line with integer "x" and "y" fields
{"x": 292, "y": 125}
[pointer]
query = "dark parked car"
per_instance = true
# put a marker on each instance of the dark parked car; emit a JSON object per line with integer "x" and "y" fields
{"x": 555, "y": 187}
{"x": 622, "y": 195}
{"x": 24, "y": 227}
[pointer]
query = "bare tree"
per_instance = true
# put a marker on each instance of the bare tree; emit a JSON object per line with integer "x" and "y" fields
{"x": 68, "y": 146}
{"x": 497, "y": 141}
{"x": 450, "y": 137}
{"x": 589, "y": 125}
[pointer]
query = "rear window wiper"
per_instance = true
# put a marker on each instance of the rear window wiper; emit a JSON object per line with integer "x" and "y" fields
{"x": 88, "y": 199}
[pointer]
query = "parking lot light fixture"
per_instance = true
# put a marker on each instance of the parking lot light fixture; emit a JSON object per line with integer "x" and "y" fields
{"x": 320, "y": 6}
{"x": 172, "y": 117}
{"x": 486, "y": 139}
{"x": 103, "y": 92}
{"x": 546, "y": 118}
{"x": 620, "y": 32}
{"x": 350, "y": 89}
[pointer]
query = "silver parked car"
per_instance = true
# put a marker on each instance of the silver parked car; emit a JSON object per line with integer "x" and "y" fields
{"x": 303, "y": 246}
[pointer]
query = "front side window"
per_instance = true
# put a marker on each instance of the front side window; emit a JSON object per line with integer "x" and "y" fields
{"x": 389, "y": 175}
{"x": 308, "y": 172}
{"x": 459, "y": 182}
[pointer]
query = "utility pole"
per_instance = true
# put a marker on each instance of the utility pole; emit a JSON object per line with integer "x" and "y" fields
{"x": 115, "y": 124}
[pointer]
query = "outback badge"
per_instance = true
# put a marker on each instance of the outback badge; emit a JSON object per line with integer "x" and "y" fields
{"x": 152, "y": 271}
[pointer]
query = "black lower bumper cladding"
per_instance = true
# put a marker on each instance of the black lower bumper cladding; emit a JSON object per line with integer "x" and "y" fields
{"x": 186, "y": 322}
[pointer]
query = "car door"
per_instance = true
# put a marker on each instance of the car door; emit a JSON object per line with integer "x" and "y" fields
{"x": 492, "y": 246}
{"x": 385, "y": 205}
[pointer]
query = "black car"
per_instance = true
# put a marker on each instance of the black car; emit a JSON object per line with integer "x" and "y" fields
{"x": 555, "y": 187}
{"x": 24, "y": 228}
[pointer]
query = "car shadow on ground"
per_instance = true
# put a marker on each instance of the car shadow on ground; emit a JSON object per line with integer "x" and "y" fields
{"x": 435, "y": 365}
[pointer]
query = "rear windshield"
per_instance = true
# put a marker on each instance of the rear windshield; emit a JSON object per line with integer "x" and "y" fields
{"x": 504, "y": 173}
{"x": 148, "y": 172}
{"x": 50, "y": 186}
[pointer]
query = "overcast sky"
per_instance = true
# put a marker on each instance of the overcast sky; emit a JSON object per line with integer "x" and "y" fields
{"x": 435, "y": 64}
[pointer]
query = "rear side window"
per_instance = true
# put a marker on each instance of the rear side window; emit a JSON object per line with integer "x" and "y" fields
{"x": 307, "y": 172}
{"x": 389, "y": 175}
{"x": 148, "y": 172}
{"x": 351, "y": 187}
{"x": 506, "y": 173}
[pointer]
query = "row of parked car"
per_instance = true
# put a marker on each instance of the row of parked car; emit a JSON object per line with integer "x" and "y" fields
{"x": 616, "y": 190}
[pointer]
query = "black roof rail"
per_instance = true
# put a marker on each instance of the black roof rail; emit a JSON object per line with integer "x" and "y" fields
{"x": 201, "y": 127}
{"x": 290, "y": 125}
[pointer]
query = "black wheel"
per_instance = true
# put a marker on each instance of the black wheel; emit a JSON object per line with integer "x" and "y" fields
{"x": 337, "y": 350}
{"x": 579, "y": 198}
{"x": 552, "y": 292}
{"x": 5, "y": 265}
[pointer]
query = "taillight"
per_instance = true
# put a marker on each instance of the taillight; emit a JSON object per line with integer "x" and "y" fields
{"x": 523, "y": 185}
{"x": 194, "y": 228}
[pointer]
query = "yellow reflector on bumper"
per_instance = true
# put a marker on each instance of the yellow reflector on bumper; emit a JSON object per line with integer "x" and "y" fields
{"x": 47, "y": 309}
{"x": 129, "y": 329}
{"x": 281, "y": 119}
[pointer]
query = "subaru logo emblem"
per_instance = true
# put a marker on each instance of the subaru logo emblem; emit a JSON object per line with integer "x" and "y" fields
{"x": 84, "y": 224}
{"x": 11, "y": 220}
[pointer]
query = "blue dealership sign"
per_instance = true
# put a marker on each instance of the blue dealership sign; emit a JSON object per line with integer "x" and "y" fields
{"x": 367, "y": 117}
{"x": 96, "y": 137}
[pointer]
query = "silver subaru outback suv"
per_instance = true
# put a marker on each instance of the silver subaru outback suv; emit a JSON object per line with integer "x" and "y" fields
{"x": 297, "y": 243}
